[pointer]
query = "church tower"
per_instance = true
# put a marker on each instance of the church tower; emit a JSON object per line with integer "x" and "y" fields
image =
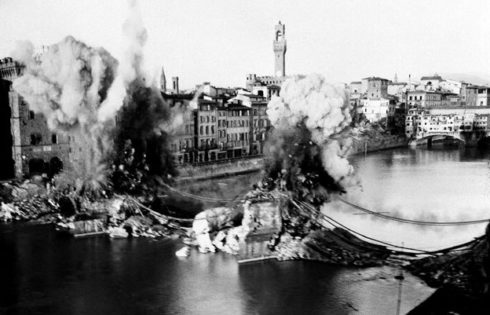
{"x": 163, "y": 82}
{"x": 280, "y": 50}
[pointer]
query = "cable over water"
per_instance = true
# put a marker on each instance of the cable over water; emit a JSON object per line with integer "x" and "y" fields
{"x": 400, "y": 249}
{"x": 417, "y": 222}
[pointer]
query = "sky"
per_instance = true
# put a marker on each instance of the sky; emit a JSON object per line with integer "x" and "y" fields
{"x": 221, "y": 41}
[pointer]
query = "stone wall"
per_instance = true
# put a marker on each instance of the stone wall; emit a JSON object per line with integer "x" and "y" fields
{"x": 378, "y": 143}
{"x": 220, "y": 168}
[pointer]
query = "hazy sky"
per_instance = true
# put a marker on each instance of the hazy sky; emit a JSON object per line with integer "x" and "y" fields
{"x": 223, "y": 40}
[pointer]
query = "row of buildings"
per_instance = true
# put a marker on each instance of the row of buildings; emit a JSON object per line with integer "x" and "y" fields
{"x": 418, "y": 109}
{"x": 216, "y": 123}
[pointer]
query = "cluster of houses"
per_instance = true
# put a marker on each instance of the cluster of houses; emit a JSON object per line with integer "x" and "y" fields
{"x": 419, "y": 109}
{"x": 219, "y": 123}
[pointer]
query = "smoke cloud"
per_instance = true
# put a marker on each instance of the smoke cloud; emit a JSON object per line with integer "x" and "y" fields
{"x": 311, "y": 124}
{"x": 145, "y": 120}
{"x": 82, "y": 91}
{"x": 67, "y": 84}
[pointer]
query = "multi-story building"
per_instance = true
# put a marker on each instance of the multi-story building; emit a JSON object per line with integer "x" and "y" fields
{"x": 222, "y": 132}
{"x": 375, "y": 87}
{"x": 425, "y": 99}
{"x": 238, "y": 131}
{"x": 426, "y": 122}
{"x": 260, "y": 125}
{"x": 206, "y": 122}
{"x": 374, "y": 110}
{"x": 34, "y": 148}
{"x": 182, "y": 143}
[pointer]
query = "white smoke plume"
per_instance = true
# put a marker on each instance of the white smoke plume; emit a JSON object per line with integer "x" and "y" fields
{"x": 131, "y": 66}
{"x": 67, "y": 84}
{"x": 80, "y": 89}
{"x": 325, "y": 111}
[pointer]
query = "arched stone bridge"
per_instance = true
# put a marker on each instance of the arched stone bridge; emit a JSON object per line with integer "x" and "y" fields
{"x": 468, "y": 138}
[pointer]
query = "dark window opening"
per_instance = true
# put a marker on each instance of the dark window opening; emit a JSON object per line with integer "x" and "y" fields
{"x": 36, "y": 138}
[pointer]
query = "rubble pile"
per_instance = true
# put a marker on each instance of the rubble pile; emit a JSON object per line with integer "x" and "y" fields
{"x": 335, "y": 246}
{"x": 466, "y": 270}
{"x": 462, "y": 279}
{"x": 22, "y": 201}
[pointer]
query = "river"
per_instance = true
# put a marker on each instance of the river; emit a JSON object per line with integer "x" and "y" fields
{"x": 45, "y": 274}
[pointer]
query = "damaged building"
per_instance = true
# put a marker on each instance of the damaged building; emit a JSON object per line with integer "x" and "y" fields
{"x": 27, "y": 146}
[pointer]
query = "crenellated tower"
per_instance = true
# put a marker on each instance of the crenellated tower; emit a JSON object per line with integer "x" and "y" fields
{"x": 280, "y": 50}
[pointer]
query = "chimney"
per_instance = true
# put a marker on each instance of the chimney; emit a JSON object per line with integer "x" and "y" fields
{"x": 175, "y": 84}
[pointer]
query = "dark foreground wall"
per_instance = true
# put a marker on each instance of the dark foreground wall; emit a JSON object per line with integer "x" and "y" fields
{"x": 6, "y": 161}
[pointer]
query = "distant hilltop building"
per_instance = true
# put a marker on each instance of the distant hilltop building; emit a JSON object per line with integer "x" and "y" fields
{"x": 269, "y": 85}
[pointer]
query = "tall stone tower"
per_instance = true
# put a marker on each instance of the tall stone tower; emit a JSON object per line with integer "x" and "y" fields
{"x": 163, "y": 82}
{"x": 280, "y": 50}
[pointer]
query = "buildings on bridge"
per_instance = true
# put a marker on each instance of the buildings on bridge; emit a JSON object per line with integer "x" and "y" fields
{"x": 423, "y": 123}
{"x": 433, "y": 105}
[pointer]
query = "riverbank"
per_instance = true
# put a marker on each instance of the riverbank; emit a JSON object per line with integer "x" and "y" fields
{"x": 218, "y": 169}
{"x": 367, "y": 144}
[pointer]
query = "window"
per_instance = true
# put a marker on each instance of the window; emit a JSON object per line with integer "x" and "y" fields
{"x": 36, "y": 138}
{"x": 200, "y": 130}
{"x": 207, "y": 130}
{"x": 31, "y": 114}
{"x": 54, "y": 138}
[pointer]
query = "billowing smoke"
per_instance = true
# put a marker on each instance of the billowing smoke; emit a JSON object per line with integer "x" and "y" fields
{"x": 68, "y": 84}
{"x": 144, "y": 120}
{"x": 310, "y": 138}
{"x": 105, "y": 108}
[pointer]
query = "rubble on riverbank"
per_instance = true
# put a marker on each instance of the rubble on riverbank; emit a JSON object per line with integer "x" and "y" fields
{"x": 78, "y": 216}
{"x": 461, "y": 278}
{"x": 465, "y": 269}
{"x": 327, "y": 246}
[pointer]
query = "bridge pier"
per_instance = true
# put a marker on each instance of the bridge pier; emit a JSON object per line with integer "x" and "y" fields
{"x": 472, "y": 139}
{"x": 429, "y": 142}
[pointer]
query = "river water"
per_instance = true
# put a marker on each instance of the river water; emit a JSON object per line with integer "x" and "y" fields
{"x": 45, "y": 274}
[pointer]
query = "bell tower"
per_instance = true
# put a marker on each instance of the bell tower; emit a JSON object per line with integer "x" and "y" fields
{"x": 280, "y": 50}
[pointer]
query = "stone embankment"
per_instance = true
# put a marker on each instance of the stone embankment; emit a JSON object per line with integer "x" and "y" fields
{"x": 366, "y": 143}
{"x": 217, "y": 169}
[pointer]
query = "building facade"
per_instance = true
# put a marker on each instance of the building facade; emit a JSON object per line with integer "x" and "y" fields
{"x": 34, "y": 148}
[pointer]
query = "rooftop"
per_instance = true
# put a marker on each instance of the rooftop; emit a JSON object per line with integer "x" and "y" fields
{"x": 432, "y": 77}
{"x": 375, "y": 79}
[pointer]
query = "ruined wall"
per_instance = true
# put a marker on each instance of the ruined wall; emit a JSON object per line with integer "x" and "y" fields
{"x": 6, "y": 160}
{"x": 35, "y": 147}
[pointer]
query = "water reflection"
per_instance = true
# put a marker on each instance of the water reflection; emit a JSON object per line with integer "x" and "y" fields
{"x": 140, "y": 276}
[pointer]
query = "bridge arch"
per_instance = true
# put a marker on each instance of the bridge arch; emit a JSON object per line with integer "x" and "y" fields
{"x": 429, "y": 138}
